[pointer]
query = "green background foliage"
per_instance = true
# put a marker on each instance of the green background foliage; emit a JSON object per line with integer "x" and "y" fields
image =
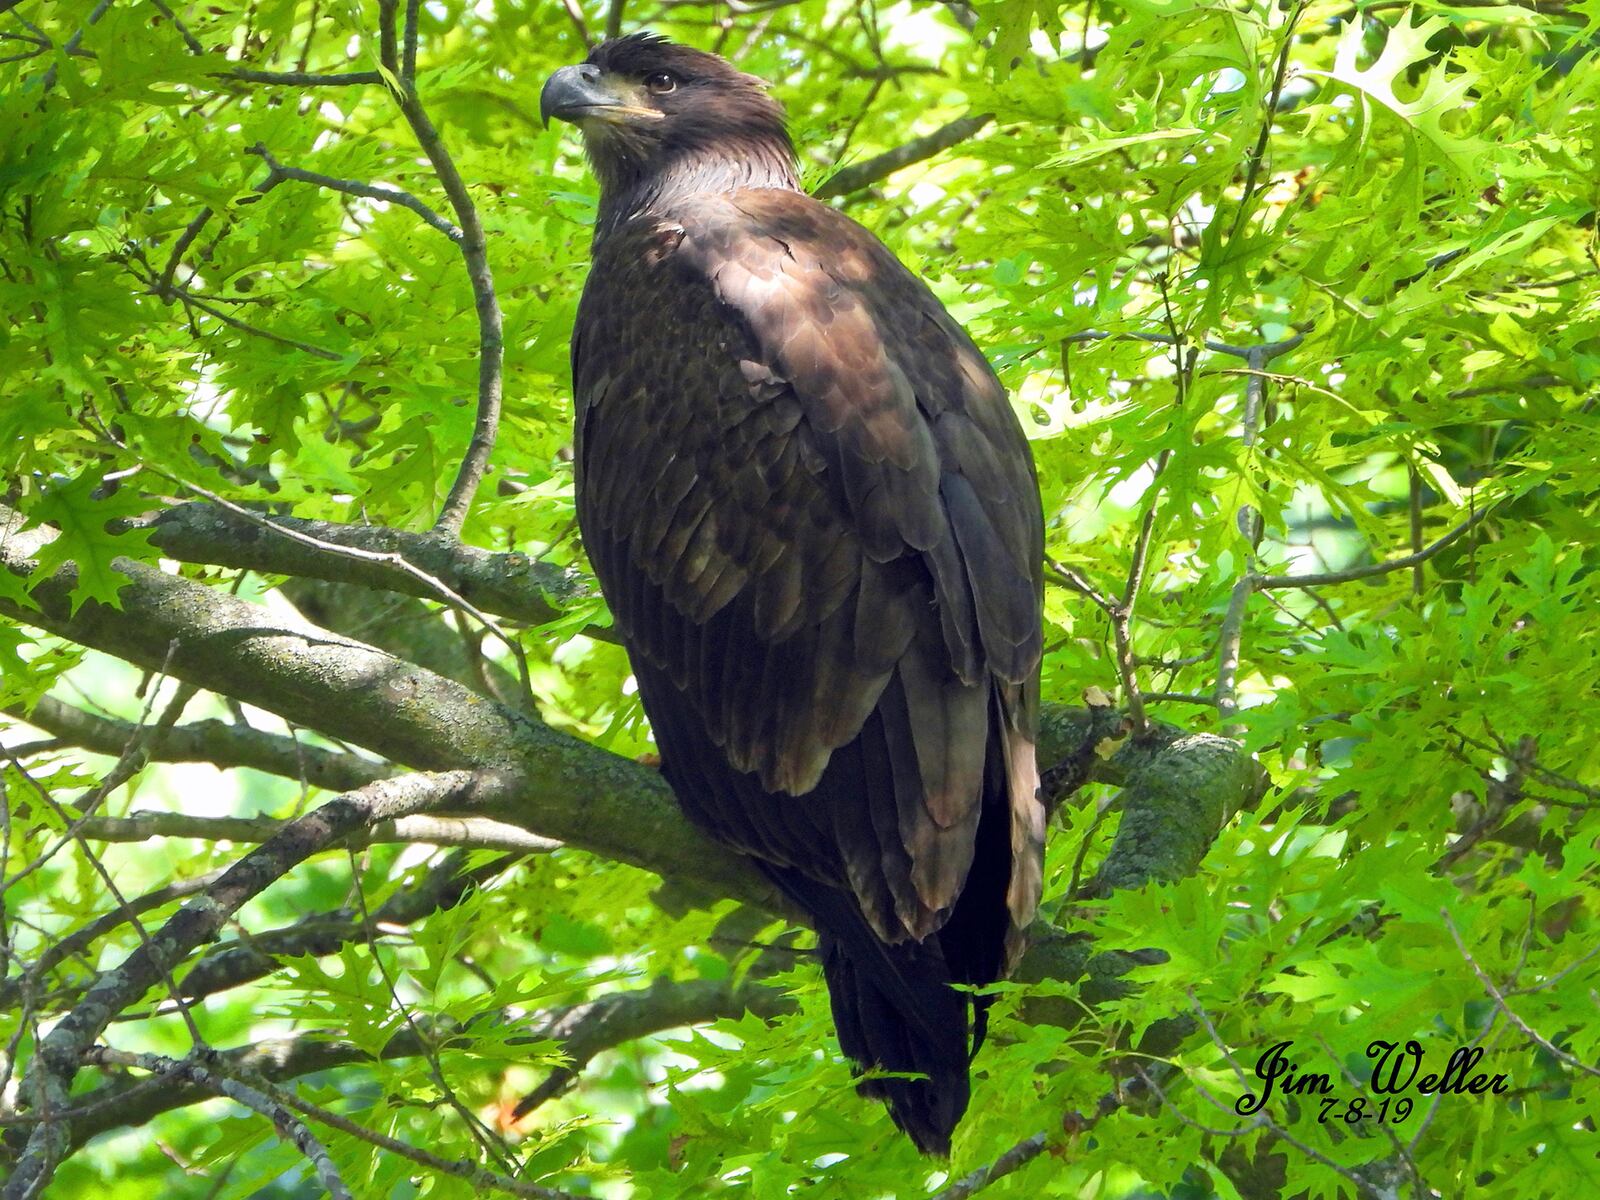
{"x": 1396, "y": 200}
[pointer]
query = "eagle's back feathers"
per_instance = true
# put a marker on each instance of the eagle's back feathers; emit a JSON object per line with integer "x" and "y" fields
{"x": 815, "y": 517}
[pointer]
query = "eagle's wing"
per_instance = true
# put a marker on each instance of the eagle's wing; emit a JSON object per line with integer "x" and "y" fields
{"x": 810, "y": 504}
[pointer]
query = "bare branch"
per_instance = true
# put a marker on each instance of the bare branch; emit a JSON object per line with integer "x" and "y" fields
{"x": 179, "y": 248}
{"x": 352, "y": 187}
{"x": 575, "y": 14}
{"x": 408, "y": 45}
{"x": 189, "y": 40}
{"x": 857, "y": 176}
{"x": 1014, "y": 1159}
{"x": 216, "y": 742}
{"x": 282, "y": 1120}
{"x": 305, "y": 78}
{"x": 479, "y": 1177}
{"x": 190, "y": 299}
{"x": 585, "y": 1030}
{"x": 1258, "y": 152}
{"x": 129, "y": 763}
{"x": 1499, "y": 999}
{"x": 475, "y": 253}
{"x": 1267, "y": 350}
{"x": 1350, "y": 574}
{"x": 473, "y": 833}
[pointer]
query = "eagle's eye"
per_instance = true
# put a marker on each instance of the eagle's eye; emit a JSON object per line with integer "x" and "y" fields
{"x": 661, "y": 82}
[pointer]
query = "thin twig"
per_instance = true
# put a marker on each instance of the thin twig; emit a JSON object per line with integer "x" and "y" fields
{"x": 475, "y": 254}
{"x": 478, "y": 1176}
{"x": 856, "y": 176}
{"x": 1499, "y": 999}
{"x": 575, "y": 13}
{"x": 408, "y": 61}
{"x": 1258, "y": 152}
{"x": 197, "y": 1039}
{"x": 491, "y": 1143}
{"x": 1250, "y": 525}
{"x": 179, "y": 248}
{"x": 128, "y": 764}
{"x": 305, "y": 78}
{"x": 1369, "y": 571}
{"x": 252, "y": 1098}
{"x": 189, "y": 40}
{"x": 60, "y": 1053}
{"x": 352, "y": 187}
{"x": 1019, "y": 1156}
{"x": 1121, "y": 632}
{"x": 189, "y": 298}
{"x": 222, "y": 744}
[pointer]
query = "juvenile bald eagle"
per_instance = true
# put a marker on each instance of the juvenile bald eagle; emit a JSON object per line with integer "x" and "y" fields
{"x": 815, "y": 518}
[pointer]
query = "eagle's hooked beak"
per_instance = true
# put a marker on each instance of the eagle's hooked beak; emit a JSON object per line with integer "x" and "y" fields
{"x": 582, "y": 92}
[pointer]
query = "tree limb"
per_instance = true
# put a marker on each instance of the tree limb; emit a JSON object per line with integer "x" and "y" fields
{"x": 282, "y": 1120}
{"x": 219, "y": 743}
{"x": 474, "y": 245}
{"x": 511, "y": 585}
{"x": 59, "y": 1054}
{"x": 351, "y": 692}
{"x": 581, "y": 1032}
{"x": 1368, "y": 571}
{"x": 354, "y": 187}
{"x": 472, "y": 833}
{"x": 857, "y": 176}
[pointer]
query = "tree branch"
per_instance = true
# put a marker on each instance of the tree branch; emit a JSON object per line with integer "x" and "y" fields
{"x": 282, "y": 1120}
{"x": 353, "y": 187}
{"x": 475, "y": 254}
{"x": 1014, "y": 1159}
{"x": 857, "y": 176}
{"x": 351, "y": 692}
{"x": 471, "y": 833}
{"x": 215, "y": 742}
{"x": 581, "y": 1031}
{"x": 1350, "y": 574}
{"x": 585, "y": 1030}
{"x": 305, "y": 78}
{"x": 253, "y": 956}
{"x": 58, "y": 1056}
{"x": 511, "y": 585}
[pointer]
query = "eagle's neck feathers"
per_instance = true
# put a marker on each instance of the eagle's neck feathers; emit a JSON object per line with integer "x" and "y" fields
{"x": 632, "y": 187}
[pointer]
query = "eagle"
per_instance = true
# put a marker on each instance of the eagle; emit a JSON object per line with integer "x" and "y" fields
{"x": 815, "y": 519}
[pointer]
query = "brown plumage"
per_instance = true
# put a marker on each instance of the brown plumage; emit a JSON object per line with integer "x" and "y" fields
{"x": 815, "y": 518}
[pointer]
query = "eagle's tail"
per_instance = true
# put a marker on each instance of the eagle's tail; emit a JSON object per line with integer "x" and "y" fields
{"x": 895, "y": 1012}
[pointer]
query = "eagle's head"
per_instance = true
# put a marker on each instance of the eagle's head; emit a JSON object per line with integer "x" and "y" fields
{"x": 658, "y": 119}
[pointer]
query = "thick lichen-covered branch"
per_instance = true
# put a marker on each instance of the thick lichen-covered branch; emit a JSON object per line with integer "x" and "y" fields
{"x": 511, "y": 585}
{"x": 557, "y": 786}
